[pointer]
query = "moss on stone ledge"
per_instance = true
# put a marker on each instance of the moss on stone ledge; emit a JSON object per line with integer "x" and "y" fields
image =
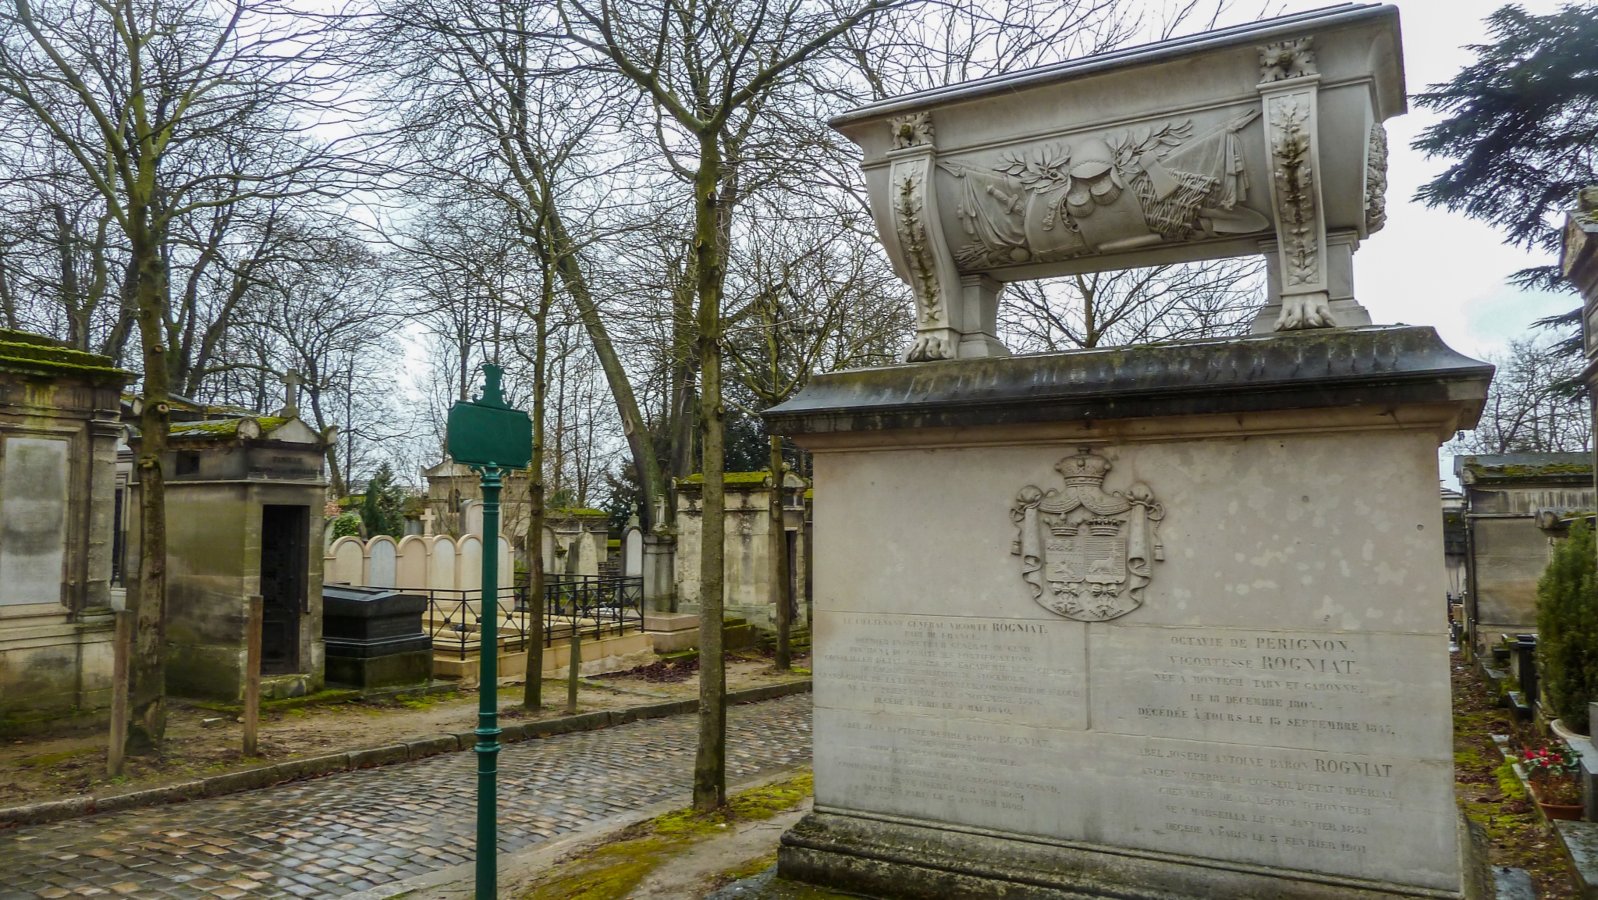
{"x": 34, "y": 354}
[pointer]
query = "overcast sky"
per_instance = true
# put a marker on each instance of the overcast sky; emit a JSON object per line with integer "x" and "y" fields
{"x": 1430, "y": 267}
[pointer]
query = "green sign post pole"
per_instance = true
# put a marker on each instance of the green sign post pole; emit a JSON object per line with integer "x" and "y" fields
{"x": 488, "y": 695}
{"x": 490, "y": 436}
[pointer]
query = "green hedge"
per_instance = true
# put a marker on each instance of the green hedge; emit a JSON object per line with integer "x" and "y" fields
{"x": 1567, "y": 628}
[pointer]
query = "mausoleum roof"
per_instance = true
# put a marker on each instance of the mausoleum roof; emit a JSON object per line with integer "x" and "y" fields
{"x": 1501, "y": 468}
{"x": 35, "y": 354}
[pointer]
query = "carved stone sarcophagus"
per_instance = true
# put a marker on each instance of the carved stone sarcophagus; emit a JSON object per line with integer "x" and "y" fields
{"x": 1265, "y": 138}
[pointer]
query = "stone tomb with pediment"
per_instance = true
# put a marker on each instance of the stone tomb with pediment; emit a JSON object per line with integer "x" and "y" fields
{"x": 1157, "y": 621}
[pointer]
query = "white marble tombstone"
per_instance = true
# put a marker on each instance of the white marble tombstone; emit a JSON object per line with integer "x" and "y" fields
{"x": 470, "y": 563}
{"x": 346, "y": 561}
{"x": 441, "y": 573}
{"x": 381, "y": 560}
{"x": 1146, "y": 622}
{"x": 632, "y": 552}
{"x": 412, "y": 561}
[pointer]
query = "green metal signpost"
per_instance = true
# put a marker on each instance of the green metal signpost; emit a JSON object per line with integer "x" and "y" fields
{"x": 490, "y": 436}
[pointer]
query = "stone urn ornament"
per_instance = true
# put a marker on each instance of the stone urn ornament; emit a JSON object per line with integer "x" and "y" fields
{"x": 1248, "y": 141}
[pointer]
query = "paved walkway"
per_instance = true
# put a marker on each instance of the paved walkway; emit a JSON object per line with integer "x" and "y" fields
{"x": 350, "y": 832}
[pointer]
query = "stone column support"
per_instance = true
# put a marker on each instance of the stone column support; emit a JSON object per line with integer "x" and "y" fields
{"x": 1289, "y": 94}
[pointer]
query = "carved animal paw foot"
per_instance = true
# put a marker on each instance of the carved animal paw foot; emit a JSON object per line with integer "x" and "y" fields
{"x": 1305, "y": 311}
{"x": 927, "y": 347}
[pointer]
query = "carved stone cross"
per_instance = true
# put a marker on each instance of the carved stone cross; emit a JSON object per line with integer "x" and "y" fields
{"x": 291, "y": 384}
{"x": 427, "y": 522}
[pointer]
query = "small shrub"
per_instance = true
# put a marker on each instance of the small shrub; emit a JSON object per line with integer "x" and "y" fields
{"x": 346, "y": 525}
{"x": 1567, "y": 628}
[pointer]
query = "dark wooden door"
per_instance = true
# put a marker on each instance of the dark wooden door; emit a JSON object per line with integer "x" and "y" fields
{"x": 285, "y": 569}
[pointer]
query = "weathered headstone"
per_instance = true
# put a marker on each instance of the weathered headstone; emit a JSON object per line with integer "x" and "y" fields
{"x": 632, "y": 551}
{"x": 381, "y": 562}
{"x": 1159, "y": 621}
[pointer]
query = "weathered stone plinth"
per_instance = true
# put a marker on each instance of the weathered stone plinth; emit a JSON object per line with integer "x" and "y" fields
{"x": 1159, "y": 621}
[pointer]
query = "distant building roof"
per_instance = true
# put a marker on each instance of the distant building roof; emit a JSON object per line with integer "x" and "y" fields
{"x": 1509, "y": 467}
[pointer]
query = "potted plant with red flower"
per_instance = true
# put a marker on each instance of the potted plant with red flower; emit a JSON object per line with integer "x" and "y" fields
{"x": 1552, "y": 773}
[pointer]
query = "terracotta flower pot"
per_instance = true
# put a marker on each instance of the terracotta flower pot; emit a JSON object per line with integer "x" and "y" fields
{"x": 1568, "y": 811}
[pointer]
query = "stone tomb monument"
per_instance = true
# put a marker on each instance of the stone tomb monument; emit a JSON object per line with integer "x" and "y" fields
{"x": 1150, "y": 622}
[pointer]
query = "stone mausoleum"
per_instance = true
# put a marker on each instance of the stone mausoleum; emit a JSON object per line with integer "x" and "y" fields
{"x": 1516, "y": 507}
{"x": 245, "y": 496}
{"x": 59, "y": 427}
{"x": 750, "y": 542}
{"x": 1161, "y": 621}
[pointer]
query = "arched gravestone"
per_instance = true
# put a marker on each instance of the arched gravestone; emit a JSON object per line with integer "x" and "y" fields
{"x": 632, "y": 552}
{"x": 1155, "y": 621}
{"x": 441, "y": 569}
{"x": 411, "y": 566}
{"x": 470, "y": 563}
{"x": 381, "y": 558}
{"x": 346, "y": 561}
{"x": 472, "y": 517}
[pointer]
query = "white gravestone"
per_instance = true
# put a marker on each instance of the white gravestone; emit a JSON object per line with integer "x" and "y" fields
{"x": 381, "y": 562}
{"x": 346, "y": 561}
{"x": 411, "y": 565}
{"x": 632, "y": 552}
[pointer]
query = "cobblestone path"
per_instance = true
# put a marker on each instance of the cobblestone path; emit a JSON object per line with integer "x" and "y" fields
{"x": 353, "y": 831}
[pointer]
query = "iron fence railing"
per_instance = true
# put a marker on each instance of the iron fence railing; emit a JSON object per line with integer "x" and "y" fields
{"x": 594, "y": 605}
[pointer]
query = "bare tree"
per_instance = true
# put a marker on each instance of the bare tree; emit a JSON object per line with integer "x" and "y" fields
{"x": 141, "y": 96}
{"x": 1531, "y": 405}
{"x": 1131, "y": 306}
{"x": 707, "y": 69}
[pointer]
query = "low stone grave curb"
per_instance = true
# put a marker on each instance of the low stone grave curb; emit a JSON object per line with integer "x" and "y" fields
{"x": 369, "y": 757}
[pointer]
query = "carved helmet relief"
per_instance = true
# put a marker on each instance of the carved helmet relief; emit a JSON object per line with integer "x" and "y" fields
{"x": 1087, "y": 554}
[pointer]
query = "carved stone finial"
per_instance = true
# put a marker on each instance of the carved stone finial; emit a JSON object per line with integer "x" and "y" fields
{"x": 911, "y": 130}
{"x": 1376, "y": 180}
{"x": 1287, "y": 59}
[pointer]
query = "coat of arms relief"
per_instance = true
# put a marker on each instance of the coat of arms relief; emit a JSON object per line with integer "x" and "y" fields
{"x": 1087, "y": 553}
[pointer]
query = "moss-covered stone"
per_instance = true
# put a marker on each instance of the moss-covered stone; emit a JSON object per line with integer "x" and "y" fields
{"x": 35, "y": 354}
{"x": 618, "y": 867}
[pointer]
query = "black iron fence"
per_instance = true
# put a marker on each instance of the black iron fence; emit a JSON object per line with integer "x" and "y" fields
{"x": 594, "y": 605}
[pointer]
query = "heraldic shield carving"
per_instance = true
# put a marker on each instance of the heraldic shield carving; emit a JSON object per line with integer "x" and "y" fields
{"x": 1086, "y": 553}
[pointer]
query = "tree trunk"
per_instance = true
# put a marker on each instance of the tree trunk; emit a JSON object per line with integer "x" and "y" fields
{"x": 147, "y": 669}
{"x": 710, "y": 764}
{"x": 639, "y": 440}
{"x": 779, "y": 560}
{"x": 533, "y": 689}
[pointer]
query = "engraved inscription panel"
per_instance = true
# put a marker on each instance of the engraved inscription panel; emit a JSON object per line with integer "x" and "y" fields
{"x": 999, "y": 669}
{"x": 1332, "y": 691}
{"x": 1351, "y": 814}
